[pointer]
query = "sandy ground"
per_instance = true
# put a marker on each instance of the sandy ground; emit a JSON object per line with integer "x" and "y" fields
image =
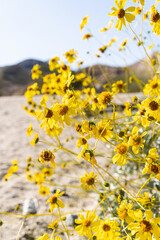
{"x": 14, "y": 144}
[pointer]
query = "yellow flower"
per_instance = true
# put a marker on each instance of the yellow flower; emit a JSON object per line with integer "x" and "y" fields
{"x": 85, "y": 224}
{"x": 105, "y": 98}
{"x": 118, "y": 86}
{"x": 29, "y": 130}
{"x": 71, "y": 55}
{"x": 88, "y": 155}
{"x": 97, "y": 55}
{"x": 35, "y": 140}
{"x": 44, "y": 190}
{"x": 112, "y": 41}
{"x": 136, "y": 141}
{"x": 32, "y": 90}
{"x": 145, "y": 200}
{"x": 48, "y": 172}
{"x": 87, "y": 36}
{"x": 63, "y": 112}
{"x": 82, "y": 141}
{"x": 88, "y": 181}
{"x": 122, "y": 14}
{"x": 152, "y": 107}
{"x": 84, "y": 22}
{"x": 104, "y": 130}
{"x": 155, "y": 20}
{"x": 38, "y": 178}
{"x": 153, "y": 88}
{"x": 103, "y": 48}
{"x": 123, "y": 44}
{"x": 128, "y": 108}
{"x": 86, "y": 81}
{"x": 152, "y": 165}
{"x": 88, "y": 127}
{"x": 78, "y": 128}
{"x": 47, "y": 156}
{"x": 13, "y": 169}
{"x": 141, "y": 116}
{"x": 53, "y": 63}
{"x": 106, "y": 229}
{"x": 55, "y": 202}
{"x": 36, "y": 72}
{"x": 80, "y": 63}
{"x": 144, "y": 228}
{"x": 138, "y": 10}
{"x": 122, "y": 211}
{"x": 120, "y": 157}
{"x": 47, "y": 116}
{"x": 54, "y": 224}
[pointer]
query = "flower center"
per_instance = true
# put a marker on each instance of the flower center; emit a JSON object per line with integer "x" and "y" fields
{"x": 106, "y": 227}
{"x": 64, "y": 67}
{"x": 136, "y": 140}
{"x": 105, "y": 98}
{"x": 90, "y": 181}
{"x": 46, "y": 155}
{"x": 87, "y": 222}
{"x": 142, "y": 112}
{"x": 102, "y": 131}
{"x": 154, "y": 85}
{"x": 121, "y": 13}
{"x": 154, "y": 169}
{"x": 122, "y": 149}
{"x": 78, "y": 127}
{"x": 153, "y": 105}
{"x": 120, "y": 85}
{"x": 145, "y": 226}
{"x": 58, "y": 80}
{"x": 63, "y": 110}
{"x": 89, "y": 152}
{"x": 95, "y": 100}
{"x": 84, "y": 141}
{"x": 53, "y": 60}
{"x": 53, "y": 199}
{"x": 155, "y": 17}
{"x": 91, "y": 125}
{"x": 49, "y": 113}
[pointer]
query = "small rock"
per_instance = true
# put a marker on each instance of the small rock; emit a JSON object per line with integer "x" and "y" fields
{"x": 10, "y": 195}
{"x": 71, "y": 219}
{"x": 30, "y": 206}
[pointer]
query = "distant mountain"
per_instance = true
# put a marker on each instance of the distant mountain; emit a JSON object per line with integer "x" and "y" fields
{"x": 15, "y": 79}
{"x": 29, "y": 63}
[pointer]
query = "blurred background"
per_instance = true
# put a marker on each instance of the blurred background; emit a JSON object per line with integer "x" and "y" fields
{"x": 32, "y": 32}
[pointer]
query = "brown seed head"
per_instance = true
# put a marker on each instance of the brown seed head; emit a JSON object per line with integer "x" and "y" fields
{"x": 155, "y": 17}
{"x": 87, "y": 222}
{"x": 90, "y": 181}
{"x": 145, "y": 226}
{"x": 63, "y": 110}
{"x": 121, "y": 13}
{"x": 49, "y": 113}
{"x": 153, "y": 105}
{"x": 106, "y": 227}
{"x": 122, "y": 148}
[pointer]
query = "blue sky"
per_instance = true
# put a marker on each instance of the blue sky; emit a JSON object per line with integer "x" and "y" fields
{"x": 42, "y": 29}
